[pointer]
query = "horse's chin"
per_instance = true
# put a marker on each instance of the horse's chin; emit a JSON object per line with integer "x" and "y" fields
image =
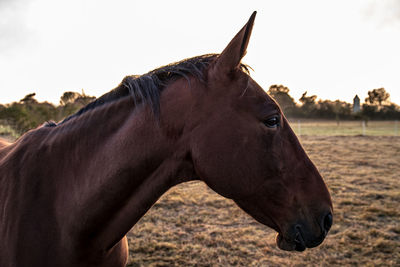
{"x": 289, "y": 244}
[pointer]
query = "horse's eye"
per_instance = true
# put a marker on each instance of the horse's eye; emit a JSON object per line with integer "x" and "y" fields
{"x": 272, "y": 122}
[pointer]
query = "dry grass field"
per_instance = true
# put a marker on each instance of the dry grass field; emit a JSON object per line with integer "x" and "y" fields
{"x": 193, "y": 226}
{"x": 329, "y": 127}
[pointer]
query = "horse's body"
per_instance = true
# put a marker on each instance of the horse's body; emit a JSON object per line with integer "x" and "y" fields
{"x": 70, "y": 192}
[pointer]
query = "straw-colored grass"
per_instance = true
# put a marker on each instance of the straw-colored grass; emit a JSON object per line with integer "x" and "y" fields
{"x": 338, "y": 128}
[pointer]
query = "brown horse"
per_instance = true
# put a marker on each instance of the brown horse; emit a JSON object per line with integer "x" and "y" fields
{"x": 71, "y": 191}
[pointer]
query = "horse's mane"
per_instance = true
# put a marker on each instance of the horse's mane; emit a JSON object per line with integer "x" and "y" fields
{"x": 146, "y": 88}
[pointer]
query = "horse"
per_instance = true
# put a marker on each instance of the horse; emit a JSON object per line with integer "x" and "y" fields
{"x": 71, "y": 191}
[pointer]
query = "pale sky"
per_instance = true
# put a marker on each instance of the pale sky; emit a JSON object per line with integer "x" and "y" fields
{"x": 334, "y": 49}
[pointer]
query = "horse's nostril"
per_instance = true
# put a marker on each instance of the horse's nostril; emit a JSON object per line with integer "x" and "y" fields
{"x": 327, "y": 221}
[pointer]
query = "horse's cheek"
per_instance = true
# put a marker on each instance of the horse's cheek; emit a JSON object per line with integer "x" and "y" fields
{"x": 219, "y": 161}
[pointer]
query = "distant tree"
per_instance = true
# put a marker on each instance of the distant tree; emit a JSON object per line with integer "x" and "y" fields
{"x": 308, "y": 106}
{"x": 307, "y": 100}
{"x": 281, "y": 94}
{"x": 28, "y": 113}
{"x": 29, "y": 99}
{"x": 377, "y": 96}
{"x": 276, "y": 89}
{"x": 68, "y": 97}
{"x": 71, "y": 102}
{"x": 369, "y": 111}
{"x": 390, "y": 112}
{"x": 84, "y": 99}
{"x": 17, "y": 116}
{"x": 333, "y": 109}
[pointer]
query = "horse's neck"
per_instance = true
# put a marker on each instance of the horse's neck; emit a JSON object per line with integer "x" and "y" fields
{"x": 112, "y": 171}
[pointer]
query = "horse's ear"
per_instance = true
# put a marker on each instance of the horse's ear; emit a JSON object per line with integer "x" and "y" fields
{"x": 230, "y": 58}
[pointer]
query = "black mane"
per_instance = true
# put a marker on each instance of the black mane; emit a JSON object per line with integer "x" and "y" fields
{"x": 147, "y": 87}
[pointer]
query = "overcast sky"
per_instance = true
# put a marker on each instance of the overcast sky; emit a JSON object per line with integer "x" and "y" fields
{"x": 334, "y": 49}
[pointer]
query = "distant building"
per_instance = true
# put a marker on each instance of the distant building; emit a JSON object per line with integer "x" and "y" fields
{"x": 356, "y": 104}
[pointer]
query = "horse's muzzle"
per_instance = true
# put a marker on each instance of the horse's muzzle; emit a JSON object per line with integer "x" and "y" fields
{"x": 299, "y": 237}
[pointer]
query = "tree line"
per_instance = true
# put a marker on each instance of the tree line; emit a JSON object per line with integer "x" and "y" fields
{"x": 29, "y": 113}
{"x": 376, "y": 106}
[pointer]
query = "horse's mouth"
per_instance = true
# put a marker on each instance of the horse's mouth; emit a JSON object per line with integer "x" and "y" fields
{"x": 299, "y": 242}
{"x": 290, "y": 244}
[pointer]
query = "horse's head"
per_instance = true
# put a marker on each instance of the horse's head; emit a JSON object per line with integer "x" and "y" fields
{"x": 243, "y": 147}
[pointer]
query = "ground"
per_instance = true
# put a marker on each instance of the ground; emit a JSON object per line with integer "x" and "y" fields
{"x": 193, "y": 226}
